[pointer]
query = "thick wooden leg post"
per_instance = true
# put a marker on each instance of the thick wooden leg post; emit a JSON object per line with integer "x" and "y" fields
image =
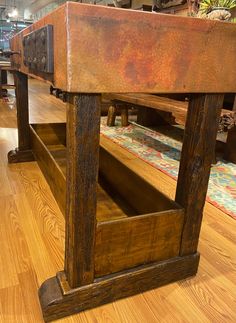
{"x": 111, "y": 116}
{"x": 83, "y": 126}
{"x": 197, "y": 154}
{"x": 23, "y": 153}
{"x": 234, "y": 106}
{"x": 146, "y": 117}
{"x": 230, "y": 148}
{"x": 112, "y": 112}
{"x": 150, "y": 117}
{"x": 124, "y": 117}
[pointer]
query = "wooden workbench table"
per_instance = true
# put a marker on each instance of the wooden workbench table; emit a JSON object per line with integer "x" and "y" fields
{"x": 107, "y": 50}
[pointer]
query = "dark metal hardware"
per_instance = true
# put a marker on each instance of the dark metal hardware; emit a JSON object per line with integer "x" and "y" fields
{"x": 8, "y": 53}
{"x": 38, "y": 50}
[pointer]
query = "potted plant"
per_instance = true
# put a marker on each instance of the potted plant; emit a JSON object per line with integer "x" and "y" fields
{"x": 216, "y": 9}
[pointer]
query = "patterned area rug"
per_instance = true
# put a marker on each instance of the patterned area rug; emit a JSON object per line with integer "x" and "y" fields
{"x": 163, "y": 152}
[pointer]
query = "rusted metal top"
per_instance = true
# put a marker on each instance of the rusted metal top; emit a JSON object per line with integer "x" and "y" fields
{"x": 102, "y": 49}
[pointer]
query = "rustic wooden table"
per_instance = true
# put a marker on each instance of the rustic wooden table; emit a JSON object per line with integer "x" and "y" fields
{"x": 107, "y": 50}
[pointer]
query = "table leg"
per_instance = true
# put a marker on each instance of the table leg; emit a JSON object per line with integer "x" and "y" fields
{"x": 234, "y": 106}
{"x": 148, "y": 117}
{"x": 196, "y": 158}
{"x": 83, "y": 126}
{"x": 75, "y": 289}
{"x": 23, "y": 153}
{"x": 230, "y": 148}
{"x": 111, "y": 116}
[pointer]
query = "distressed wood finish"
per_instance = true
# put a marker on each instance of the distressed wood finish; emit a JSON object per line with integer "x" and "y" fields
{"x": 48, "y": 145}
{"x": 196, "y": 157}
{"x": 167, "y": 110}
{"x": 83, "y": 124}
{"x": 111, "y": 116}
{"x": 47, "y": 141}
{"x": 58, "y": 300}
{"x": 117, "y": 231}
{"x": 149, "y": 117}
{"x": 126, "y": 243}
{"x": 124, "y": 116}
{"x": 139, "y": 194}
{"x": 152, "y": 53}
{"x": 234, "y": 106}
{"x": 167, "y": 105}
{"x": 31, "y": 221}
{"x": 150, "y": 101}
{"x": 230, "y": 149}
{"x": 112, "y": 112}
{"x": 23, "y": 152}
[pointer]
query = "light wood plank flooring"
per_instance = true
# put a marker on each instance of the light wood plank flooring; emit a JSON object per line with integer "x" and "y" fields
{"x": 32, "y": 236}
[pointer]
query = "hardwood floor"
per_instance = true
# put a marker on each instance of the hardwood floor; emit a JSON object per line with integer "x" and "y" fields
{"x": 32, "y": 242}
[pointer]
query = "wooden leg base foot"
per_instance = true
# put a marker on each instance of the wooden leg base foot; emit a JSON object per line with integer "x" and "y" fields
{"x": 58, "y": 300}
{"x": 20, "y": 156}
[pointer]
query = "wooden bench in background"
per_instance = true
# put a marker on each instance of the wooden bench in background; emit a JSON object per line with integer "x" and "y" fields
{"x": 5, "y": 66}
{"x": 158, "y": 110}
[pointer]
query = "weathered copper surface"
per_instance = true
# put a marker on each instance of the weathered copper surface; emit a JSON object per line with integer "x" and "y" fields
{"x": 102, "y": 49}
{"x": 58, "y": 20}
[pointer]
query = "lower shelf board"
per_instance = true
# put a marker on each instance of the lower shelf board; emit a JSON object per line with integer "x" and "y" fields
{"x": 109, "y": 205}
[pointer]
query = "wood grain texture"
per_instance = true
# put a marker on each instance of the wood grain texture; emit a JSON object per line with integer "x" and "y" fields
{"x": 170, "y": 111}
{"x": 196, "y": 157}
{"x": 111, "y": 116}
{"x": 230, "y": 148}
{"x": 142, "y": 196}
{"x": 148, "y": 54}
{"x": 23, "y": 152}
{"x": 82, "y": 139}
{"x": 127, "y": 243}
{"x": 166, "y": 105}
{"x": 51, "y": 137}
{"x": 149, "y": 101}
{"x": 124, "y": 117}
{"x": 9, "y": 275}
{"x": 55, "y": 304}
{"x": 205, "y": 298}
{"x": 48, "y": 144}
{"x": 112, "y": 112}
{"x": 22, "y": 103}
{"x": 44, "y": 156}
{"x": 234, "y": 106}
{"x": 148, "y": 117}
